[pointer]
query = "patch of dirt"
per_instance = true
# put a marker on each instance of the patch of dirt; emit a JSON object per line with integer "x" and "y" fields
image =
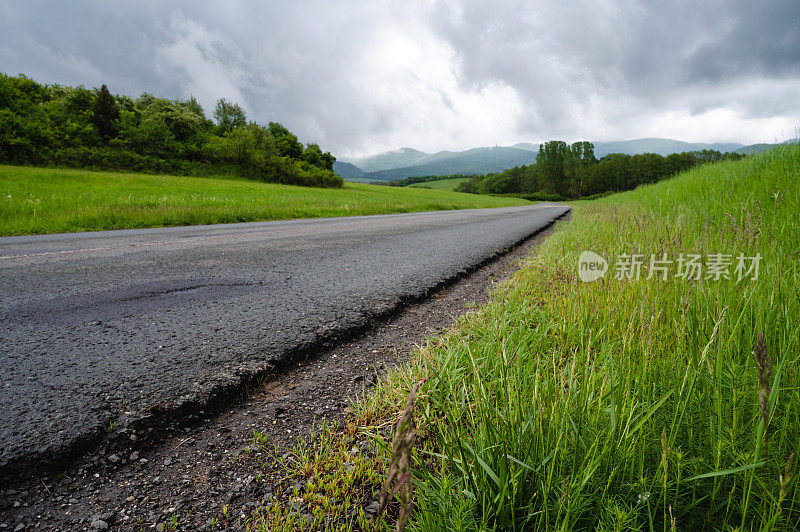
{"x": 193, "y": 471}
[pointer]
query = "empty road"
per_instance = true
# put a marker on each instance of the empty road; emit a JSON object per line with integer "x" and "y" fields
{"x": 105, "y": 327}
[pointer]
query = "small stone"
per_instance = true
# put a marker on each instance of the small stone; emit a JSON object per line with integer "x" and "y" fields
{"x": 168, "y": 462}
{"x": 130, "y": 499}
{"x": 134, "y": 456}
{"x": 372, "y": 508}
{"x": 17, "y": 504}
{"x": 98, "y": 524}
{"x": 20, "y": 527}
{"x": 113, "y": 458}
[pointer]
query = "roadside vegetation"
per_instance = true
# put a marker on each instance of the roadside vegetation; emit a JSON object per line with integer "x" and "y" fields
{"x": 572, "y": 171}
{"x": 61, "y": 126}
{"x": 37, "y": 200}
{"x": 618, "y": 404}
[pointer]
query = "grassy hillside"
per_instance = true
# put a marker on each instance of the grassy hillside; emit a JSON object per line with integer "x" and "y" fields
{"x": 644, "y": 404}
{"x": 35, "y": 200}
{"x": 441, "y": 184}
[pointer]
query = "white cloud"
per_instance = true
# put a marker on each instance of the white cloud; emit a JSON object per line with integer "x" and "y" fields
{"x": 202, "y": 62}
{"x": 365, "y": 76}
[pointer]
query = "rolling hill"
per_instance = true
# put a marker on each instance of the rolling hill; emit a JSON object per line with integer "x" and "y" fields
{"x": 390, "y": 159}
{"x": 474, "y": 161}
{"x": 754, "y": 149}
{"x": 347, "y": 171}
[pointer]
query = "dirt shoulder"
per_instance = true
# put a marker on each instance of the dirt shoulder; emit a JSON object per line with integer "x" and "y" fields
{"x": 192, "y": 471}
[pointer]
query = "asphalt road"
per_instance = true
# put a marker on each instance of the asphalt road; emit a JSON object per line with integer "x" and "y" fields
{"x": 104, "y": 327}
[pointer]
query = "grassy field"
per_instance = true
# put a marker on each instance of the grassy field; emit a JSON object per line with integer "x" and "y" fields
{"x": 618, "y": 404}
{"x": 36, "y": 200}
{"x": 441, "y": 184}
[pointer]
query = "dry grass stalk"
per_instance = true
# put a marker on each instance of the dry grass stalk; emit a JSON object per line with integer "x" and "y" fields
{"x": 398, "y": 479}
{"x": 764, "y": 376}
{"x": 785, "y": 478}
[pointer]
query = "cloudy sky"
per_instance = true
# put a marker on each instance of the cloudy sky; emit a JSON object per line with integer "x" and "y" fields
{"x": 361, "y": 77}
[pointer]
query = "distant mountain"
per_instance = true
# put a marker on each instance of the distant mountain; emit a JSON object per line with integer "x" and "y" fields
{"x": 526, "y": 146}
{"x": 390, "y": 159}
{"x": 659, "y": 146}
{"x": 754, "y": 149}
{"x": 347, "y": 170}
{"x": 474, "y": 161}
{"x": 654, "y": 145}
{"x": 408, "y": 162}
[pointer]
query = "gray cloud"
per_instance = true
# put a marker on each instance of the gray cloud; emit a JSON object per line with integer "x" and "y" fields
{"x": 366, "y": 76}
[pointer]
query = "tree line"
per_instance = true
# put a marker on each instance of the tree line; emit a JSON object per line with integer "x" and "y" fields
{"x": 56, "y": 125}
{"x": 572, "y": 171}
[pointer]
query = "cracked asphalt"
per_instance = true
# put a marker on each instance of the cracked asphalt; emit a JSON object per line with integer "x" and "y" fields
{"x": 101, "y": 330}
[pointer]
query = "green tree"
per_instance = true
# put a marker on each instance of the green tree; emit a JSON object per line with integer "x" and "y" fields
{"x": 229, "y": 116}
{"x": 578, "y": 162}
{"x": 286, "y": 141}
{"x": 550, "y": 167}
{"x": 313, "y": 155}
{"x": 327, "y": 161}
{"x": 106, "y": 114}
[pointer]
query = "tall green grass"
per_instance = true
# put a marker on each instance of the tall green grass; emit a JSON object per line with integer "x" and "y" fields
{"x": 37, "y": 200}
{"x": 625, "y": 405}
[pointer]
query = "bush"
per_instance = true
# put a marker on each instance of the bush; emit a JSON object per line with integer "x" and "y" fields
{"x": 598, "y": 196}
{"x": 541, "y": 196}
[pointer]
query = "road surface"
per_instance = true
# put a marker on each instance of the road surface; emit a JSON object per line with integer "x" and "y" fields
{"x": 108, "y": 327}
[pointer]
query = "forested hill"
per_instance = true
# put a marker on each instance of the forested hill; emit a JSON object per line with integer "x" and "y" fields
{"x": 347, "y": 170}
{"x": 55, "y": 125}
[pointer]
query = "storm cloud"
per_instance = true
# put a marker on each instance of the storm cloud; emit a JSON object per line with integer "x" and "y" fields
{"x": 366, "y": 76}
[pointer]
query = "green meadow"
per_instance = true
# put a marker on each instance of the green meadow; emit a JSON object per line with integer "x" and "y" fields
{"x": 441, "y": 184}
{"x": 37, "y": 200}
{"x": 620, "y": 404}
